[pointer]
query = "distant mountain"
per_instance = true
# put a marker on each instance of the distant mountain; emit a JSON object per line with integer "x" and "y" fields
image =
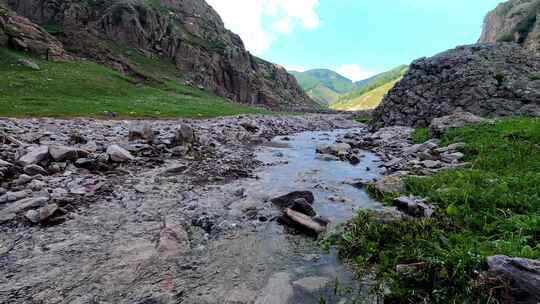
{"x": 323, "y": 85}
{"x": 368, "y": 93}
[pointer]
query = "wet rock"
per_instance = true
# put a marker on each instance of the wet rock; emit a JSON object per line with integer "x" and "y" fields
{"x": 523, "y": 276}
{"x": 302, "y": 206}
{"x": 440, "y": 125}
{"x": 390, "y": 184}
{"x": 34, "y": 156}
{"x": 173, "y": 242}
{"x": 138, "y": 131}
{"x": 304, "y": 221}
{"x": 278, "y": 290}
{"x": 414, "y": 206}
{"x": 336, "y": 149}
{"x": 63, "y": 153}
{"x": 312, "y": 284}
{"x": 119, "y": 154}
{"x": 288, "y": 199}
{"x": 185, "y": 135}
{"x": 33, "y": 170}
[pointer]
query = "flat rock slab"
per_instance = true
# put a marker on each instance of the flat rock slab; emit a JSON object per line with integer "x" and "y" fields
{"x": 278, "y": 290}
{"x": 523, "y": 275}
{"x": 286, "y": 200}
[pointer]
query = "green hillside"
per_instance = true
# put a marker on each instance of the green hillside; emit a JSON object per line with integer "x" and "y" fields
{"x": 367, "y": 101}
{"x": 84, "y": 88}
{"x": 370, "y": 92}
{"x": 323, "y": 95}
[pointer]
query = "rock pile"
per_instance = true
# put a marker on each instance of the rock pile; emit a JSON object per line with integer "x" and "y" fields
{"x": 298, "y": 212}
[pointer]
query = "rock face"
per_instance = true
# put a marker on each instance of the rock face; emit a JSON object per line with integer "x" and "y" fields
{"x": 188, "y": 32}
{"x": 487, "y": 80}
{"x": 21, "y": 34}
{"x": 514, "y": 21}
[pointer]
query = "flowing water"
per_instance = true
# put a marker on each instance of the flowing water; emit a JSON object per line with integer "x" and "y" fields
{"x": 267, "y": 257}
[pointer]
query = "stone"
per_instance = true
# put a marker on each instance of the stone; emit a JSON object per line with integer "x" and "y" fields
{"x": 302, "y": 206}
{"x": 523, "y": 276}
{"x": 23, "y": 179}
{"x": 141, "y": 131}
{"x": 288, "y": 199}
{"x": 4, "y": 163}
{"x": 278, "y": 290}
{"x": 33, "y": 170}
{"x": 335, "y": 149}
{"x": 451, "y": 147}
{"x": 25, "y": 204}
{"x": 441, "y": 125}
{"x": 390, "y": 184}
{"x": 241, "y": 296}
{"x": 32, "y": 216}
{"x": 304, "y": 221}
{"x": 312, "y": 284}
{"x": 35, "y": 155}
{"x": 411, "y": 268}
{"x": 173, "y": 242}
{"x": 14, "y": 196}
{"x": 185, "y": 135}
{"x": 175, "y": 170}
{"x": 29, "y": 63}
{"x": 414, "y": 206}
{"x": 431, "y": 164}
{"x": 41, "y": 215}
{"x": 119, "y": 154}
{"x": 36, "y": 185}
{"x": 63, "y": 153}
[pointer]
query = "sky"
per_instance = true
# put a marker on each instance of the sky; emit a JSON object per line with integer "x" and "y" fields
{"x": 357, "y": 38}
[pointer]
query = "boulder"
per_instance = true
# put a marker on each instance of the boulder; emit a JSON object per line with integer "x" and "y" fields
{"x": 29, "y": 63}
{"x": 33, "y": 170}
{"x": 335, "y": 149}
{"x": 185, "y": 135}
{"x": 140, "y": 131}
{"x": 43, "y": 214}
{"x": 414, "y": 206}
{"x": 522, "y": 275}
{"x": 440, "y": 125}
{"x": 286, "y": 200}
{"x": 488, "y": 80}
{"x": 302, "y": 206}
{"x": 63, "y": 153}
{"x": 119, "y": 154}
{"x": 35, "y": 155}
{"x": 390, "y": 184}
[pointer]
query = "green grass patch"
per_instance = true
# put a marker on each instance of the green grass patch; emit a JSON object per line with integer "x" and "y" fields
{"x": 84, "y": 88}
{"x": 420, "y": 135}
{"x": 491, "y": 208}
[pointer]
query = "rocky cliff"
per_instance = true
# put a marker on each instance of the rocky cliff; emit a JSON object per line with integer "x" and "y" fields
{"x": 500, "y": 79}
{"x": 188, "y": 32}
{"x": 514, "y": 21}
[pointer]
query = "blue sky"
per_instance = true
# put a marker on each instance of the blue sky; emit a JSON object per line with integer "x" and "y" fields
{"x": 355, "y": 37}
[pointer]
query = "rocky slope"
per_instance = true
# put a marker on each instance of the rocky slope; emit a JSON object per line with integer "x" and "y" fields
{"x": 514, "y": 21}
{"x": 188, "y": 32}
{"x": 486, "y": 79}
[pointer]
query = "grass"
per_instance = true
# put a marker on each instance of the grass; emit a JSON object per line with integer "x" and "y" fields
{"x": 323, "y": 95}
{"x": 491, "y": 208}
{"x": 367, "y": 101}
{"x": 83, "y": 88}
{"x": 420, "y": 135}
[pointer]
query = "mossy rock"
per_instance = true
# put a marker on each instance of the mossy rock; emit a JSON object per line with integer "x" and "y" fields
{"x": 3, "y": 11}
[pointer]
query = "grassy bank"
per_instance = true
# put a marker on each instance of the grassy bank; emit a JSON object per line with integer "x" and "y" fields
{"x": 491, "y": 208}
{"x": 83, "y": 88}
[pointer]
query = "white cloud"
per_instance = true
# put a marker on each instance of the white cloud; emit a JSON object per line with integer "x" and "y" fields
{"x": 261, "y": 22}
{"x": 354, "y": 72}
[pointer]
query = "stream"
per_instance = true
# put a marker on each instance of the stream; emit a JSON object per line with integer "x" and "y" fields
{"x": 284, "y": 267}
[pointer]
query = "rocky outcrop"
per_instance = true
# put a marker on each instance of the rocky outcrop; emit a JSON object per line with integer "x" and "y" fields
{"x": 187, "y": 32}
{"x": 488, "y": 80}
{"x": 514, "y": 21}
{"x": 21, "y": 34}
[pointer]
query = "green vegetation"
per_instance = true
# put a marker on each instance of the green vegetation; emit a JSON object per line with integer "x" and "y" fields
{"x": 367, "y": 101}
{"x": 492, "y": 207}
{"x": 83, "y": 88}
{"x": 420, "y": 135}
{"x": 323, "y": 95}
{"x": 330, "y": 79}
{"x": 374, "y": 82}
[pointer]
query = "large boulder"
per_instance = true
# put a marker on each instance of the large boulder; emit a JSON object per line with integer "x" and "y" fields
{"x": 522, "y": 275}
{"x": 488, "y": 80}
{"x": 34, "y": 155}
{"x": 440, "y": 125}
